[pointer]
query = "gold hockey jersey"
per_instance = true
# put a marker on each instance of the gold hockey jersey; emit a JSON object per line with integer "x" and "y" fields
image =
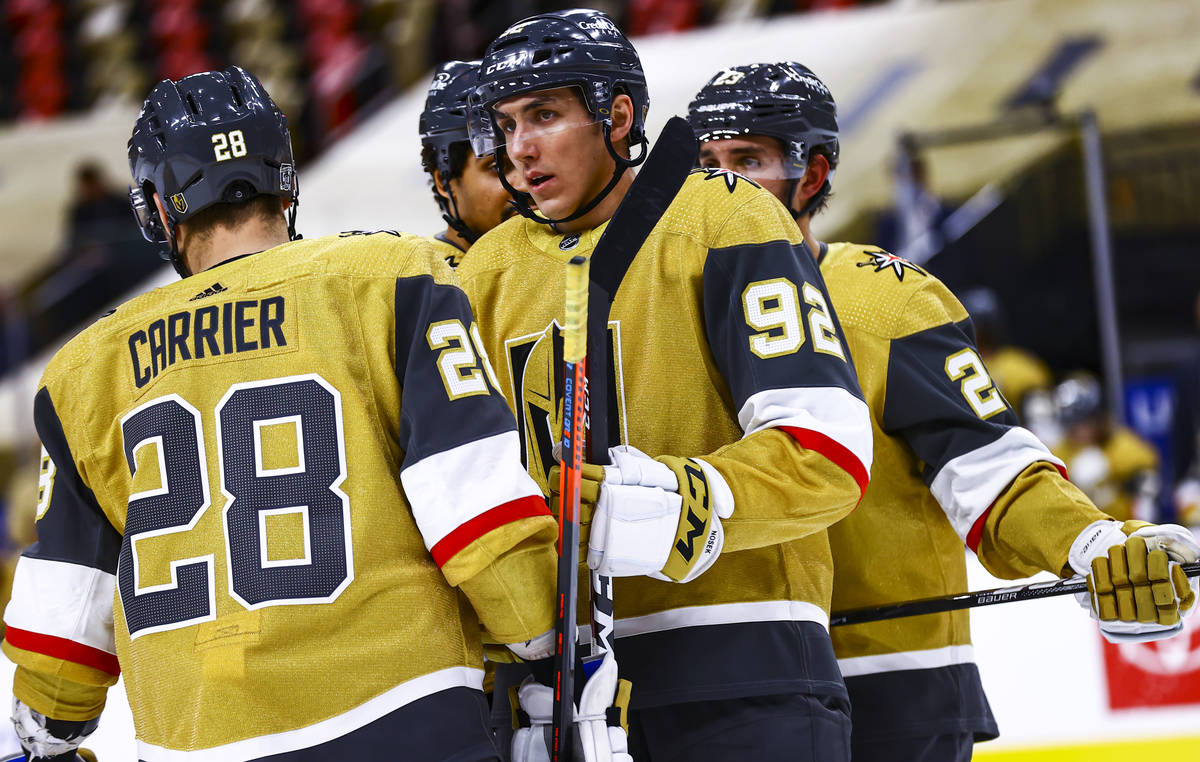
{"x": 451, "y": 253}
{"x": 951, "y": 468}
{"x": 279, "y": 496}
{"x": 722, "y": 345}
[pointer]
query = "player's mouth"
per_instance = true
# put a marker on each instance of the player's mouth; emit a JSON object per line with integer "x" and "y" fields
{"x": 538, "y": 181}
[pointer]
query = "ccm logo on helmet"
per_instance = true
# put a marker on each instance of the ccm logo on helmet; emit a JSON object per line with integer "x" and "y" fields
{"x": 511, "y": 62}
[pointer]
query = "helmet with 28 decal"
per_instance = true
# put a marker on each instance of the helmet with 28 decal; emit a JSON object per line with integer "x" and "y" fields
{"x": 785, "y": 101}
{"x": 579, "y": 48}
{"x": 208, "y": 138}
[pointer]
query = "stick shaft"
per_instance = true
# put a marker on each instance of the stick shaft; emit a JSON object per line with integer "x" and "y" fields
{"x": 972, "y": 600}
{"x": 574, "y": 427}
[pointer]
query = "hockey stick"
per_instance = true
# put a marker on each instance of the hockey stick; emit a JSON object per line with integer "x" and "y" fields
{"x": 574, "y": 408}
{"x": 972, "y": 600}
{"x": 658, "y": 181}
{"x": 661, "y": 176}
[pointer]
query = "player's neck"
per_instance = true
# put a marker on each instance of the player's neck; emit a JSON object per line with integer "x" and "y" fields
{"x": 603, "y": 211}
{"x": 805, "y": 225}
{"x": 223, "y": 244}
{"x": 456, "y": 238}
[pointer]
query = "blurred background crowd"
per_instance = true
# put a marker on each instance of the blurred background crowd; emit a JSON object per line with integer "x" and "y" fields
{"x": 1020, "y": 246}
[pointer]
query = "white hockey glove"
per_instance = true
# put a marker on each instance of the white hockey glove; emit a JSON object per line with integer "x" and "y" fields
{"x": 658, "y": 517}
{"x": 48, "y": 740}
{"x": 596, "y": 739}
{"x": 1136, "y": 588}
{"x": 541, "y": 647}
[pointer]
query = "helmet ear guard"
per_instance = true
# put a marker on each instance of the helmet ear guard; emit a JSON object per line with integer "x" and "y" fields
{"x": 146, "y": 214}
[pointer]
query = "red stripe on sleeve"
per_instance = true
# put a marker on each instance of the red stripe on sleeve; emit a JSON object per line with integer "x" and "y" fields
{"x": 976, "y": 533}
{"x": 61, "y": 648}
{"x": 472, "y": 530}
{"x": 835, "y": 451}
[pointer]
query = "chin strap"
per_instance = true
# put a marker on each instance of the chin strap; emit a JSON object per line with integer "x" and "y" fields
{"x": 522, "y": 200}
{"x": 450, "y": 215}
{"x": 292, "y": 234}
{"x": 172, "y": 253}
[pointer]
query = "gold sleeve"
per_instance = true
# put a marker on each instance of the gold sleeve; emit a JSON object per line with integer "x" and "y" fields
{"x": 58, "y": 696}
{"x": 781, "y": 490}
{"x": 1033, "y": 522}
{"x": 509, "y": 575}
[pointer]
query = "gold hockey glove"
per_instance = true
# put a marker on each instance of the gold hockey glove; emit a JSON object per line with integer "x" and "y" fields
{"x": 1136, "y": 588}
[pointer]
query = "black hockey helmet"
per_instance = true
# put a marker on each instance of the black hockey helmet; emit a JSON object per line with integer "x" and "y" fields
{"x": 208, "y": 138}
{"x": 580, "y": 48}
{"x": 444, "y": 120}
{"x": 442, "y": 124}
{"x": 785, "y": 101}
{"x": 1078, "y": 399}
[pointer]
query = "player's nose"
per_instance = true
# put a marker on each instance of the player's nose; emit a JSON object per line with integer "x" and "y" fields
{"x": 522, "y": 143}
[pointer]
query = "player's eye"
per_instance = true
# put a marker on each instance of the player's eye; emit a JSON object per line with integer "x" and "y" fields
{"x": 751, "y": 163}
{"x": 708, "y": 162}
{"x": 545, "y": 115}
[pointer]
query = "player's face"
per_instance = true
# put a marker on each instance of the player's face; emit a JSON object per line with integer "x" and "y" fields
{"x": 557, "y": 148}
{"x": 481, "y": 200}
{"x": 758, "y": 157}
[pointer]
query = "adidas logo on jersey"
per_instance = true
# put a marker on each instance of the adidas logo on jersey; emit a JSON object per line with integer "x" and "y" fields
{"x": 212, "y": 290}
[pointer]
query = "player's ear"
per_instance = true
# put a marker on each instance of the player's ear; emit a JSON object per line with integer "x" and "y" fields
{"x": 622, "y": 117}
{"x": 439, "y": 187}
{"x": 815, "y": 175}
{"x": 162, "y": 210}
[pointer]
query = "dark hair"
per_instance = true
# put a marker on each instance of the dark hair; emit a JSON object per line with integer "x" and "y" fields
{"x": 231, "y": 215}
{"x": 833, "y": 162}
{"x": 457, "y": 154}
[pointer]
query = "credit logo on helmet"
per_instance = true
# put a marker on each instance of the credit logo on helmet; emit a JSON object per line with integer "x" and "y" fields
{"x": 601, "y": 25}
{"x": 812, "y": 82}
{"x": 179, "y": 202}
{"x": 286, "y": 177}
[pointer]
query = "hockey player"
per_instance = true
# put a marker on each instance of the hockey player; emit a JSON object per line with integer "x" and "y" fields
{"x": 951, "y": 467}
{"x": 280, "y": 494}
{"x": 1111, "y": 462}
{"x": 728, "y": 367}
{"x": 466, "y": 187}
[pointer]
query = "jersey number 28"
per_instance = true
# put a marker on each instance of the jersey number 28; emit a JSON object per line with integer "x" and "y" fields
{"x": 306, "y": 407}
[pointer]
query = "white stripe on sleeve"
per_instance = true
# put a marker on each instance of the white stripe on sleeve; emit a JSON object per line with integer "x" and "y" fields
{"x": 828, "y": 410}
{"x": 968, "y": 485}
{"x": 64, "y": 600}
{"x": 449, "y": 488}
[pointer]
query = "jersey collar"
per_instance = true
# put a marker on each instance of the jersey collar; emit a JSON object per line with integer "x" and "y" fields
{"x": 563, "y": 247}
